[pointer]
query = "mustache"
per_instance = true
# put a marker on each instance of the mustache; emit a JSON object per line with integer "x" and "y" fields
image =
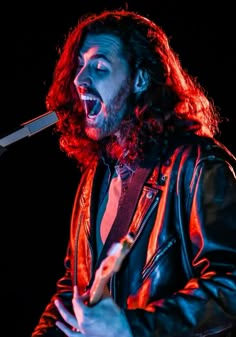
{"x": 89, "y": 91}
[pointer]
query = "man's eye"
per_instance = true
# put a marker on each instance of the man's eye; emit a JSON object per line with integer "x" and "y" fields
{"x": 100, "y": 67}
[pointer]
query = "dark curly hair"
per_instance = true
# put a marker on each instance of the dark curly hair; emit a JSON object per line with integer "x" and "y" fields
{"x": 173, "y": 100}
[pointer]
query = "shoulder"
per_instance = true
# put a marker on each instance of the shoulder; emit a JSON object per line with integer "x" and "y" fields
{"x": 194, "y": 158}
{"x": 201, "y": 148}
{"x": 189, "y": 153}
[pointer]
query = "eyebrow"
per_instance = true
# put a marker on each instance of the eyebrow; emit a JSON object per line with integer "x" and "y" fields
{"x": 98, "y": 56}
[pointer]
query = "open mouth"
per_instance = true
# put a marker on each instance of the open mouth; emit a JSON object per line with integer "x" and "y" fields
{"x": 92, "y": 106}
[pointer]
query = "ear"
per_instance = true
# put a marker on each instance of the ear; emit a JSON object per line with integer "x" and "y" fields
{"x": 141, "y": 81}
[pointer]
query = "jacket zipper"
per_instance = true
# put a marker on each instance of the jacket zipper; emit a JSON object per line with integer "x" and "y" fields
{"x": 76, "y": 251}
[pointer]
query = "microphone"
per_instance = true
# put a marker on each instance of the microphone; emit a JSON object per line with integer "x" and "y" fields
{"x": 30, "y": 128}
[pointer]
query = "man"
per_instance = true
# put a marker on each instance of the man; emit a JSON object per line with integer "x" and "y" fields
{"x": 143, "y": 134}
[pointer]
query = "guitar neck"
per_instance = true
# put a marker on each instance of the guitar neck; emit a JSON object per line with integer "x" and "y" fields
{"x": 110, "y": 265}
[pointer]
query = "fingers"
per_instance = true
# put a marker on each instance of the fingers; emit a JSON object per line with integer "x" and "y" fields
{"x": 80, "y": 301}
{"x": 83, "y": 298}
{"x": 67, "y": 316}
{"x": 76, "y": 291}
{"x": 67, "y": 331}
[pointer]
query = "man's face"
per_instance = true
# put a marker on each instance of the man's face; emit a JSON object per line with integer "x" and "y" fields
{"x": 103, "y": 84}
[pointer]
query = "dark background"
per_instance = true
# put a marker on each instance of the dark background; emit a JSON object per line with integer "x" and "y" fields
{"x": 38, "y": 181}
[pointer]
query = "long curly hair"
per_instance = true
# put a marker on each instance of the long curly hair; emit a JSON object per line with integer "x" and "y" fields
{"x": 174, "y": 100}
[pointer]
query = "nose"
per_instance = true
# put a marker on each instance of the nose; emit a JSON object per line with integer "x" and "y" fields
{"x": 82, "y": 78}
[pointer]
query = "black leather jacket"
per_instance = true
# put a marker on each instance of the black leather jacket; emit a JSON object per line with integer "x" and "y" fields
{"x": 179, "y": 278}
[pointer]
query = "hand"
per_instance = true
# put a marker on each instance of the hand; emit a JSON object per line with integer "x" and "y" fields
{"x": 69, "y": 318}
{"x": 103, "y": 319}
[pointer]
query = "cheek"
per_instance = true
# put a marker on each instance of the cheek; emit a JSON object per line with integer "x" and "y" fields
{"x": 111, "y": 88}
{"x": 108, "y": 92}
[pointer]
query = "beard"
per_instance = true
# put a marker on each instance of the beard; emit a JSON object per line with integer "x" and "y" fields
{"x": 115, "y": 113}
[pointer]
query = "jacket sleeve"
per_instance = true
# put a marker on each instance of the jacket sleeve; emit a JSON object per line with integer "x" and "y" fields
{"x": 46, "y": 326}
{"x": 64, "y": 290}
{"x": 207, "y": 304}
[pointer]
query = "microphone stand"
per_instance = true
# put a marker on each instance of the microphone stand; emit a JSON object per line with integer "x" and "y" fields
{"x": 2, "y": 150}
{"x": 28, "y": 129}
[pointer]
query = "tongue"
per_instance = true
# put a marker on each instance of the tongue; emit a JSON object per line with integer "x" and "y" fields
{"x": 93, "y": 108}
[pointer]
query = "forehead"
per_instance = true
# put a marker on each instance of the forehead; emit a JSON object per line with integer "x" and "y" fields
{"x": 105, "y": 44}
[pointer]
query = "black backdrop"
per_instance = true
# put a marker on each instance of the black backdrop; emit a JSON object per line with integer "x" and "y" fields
{"x": 38, "y": 182}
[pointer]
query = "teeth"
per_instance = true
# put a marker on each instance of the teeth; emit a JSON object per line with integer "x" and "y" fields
{"x": 92, "y": 105}
{"x": 87, "y": 98}
{"x": 92, "y": 108}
